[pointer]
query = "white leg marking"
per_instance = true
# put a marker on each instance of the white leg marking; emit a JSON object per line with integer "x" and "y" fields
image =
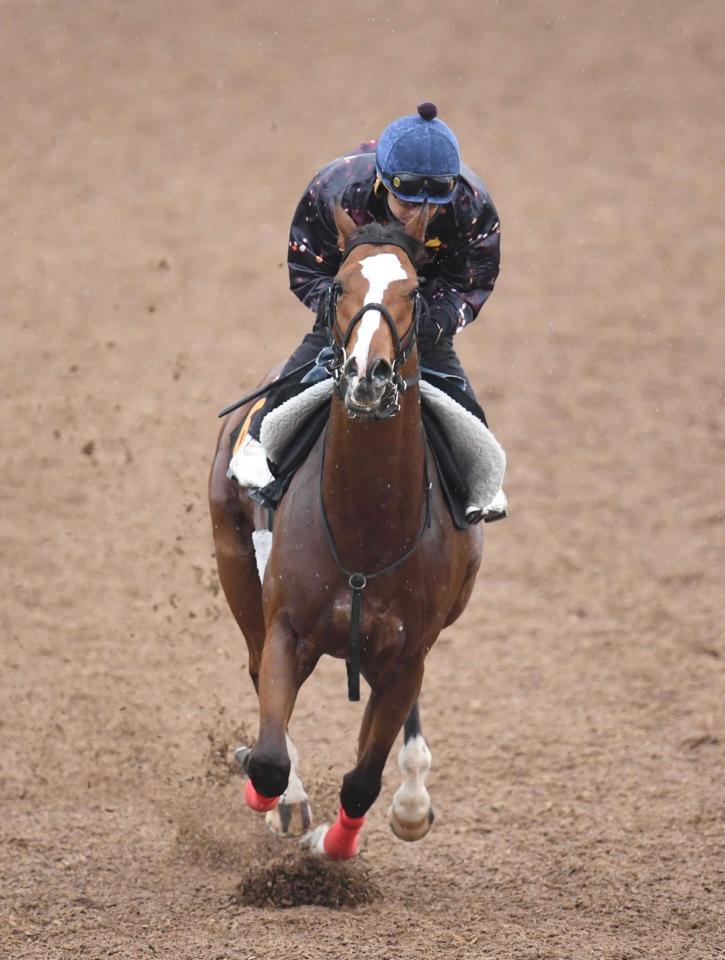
{"x": 262, "y": 540}
{"x": 314, "y": 841}
{"x": 411, "y": 802}
{"x": 295, "y": 792}
{"x": 379, "y": 270}
{"x": 292, "y": 817}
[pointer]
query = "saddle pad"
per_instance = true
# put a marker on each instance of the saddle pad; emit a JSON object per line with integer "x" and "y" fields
{"x": 478, "y": 454}
{"x": 281, "y": 424}
{"x": 470, "y": 461}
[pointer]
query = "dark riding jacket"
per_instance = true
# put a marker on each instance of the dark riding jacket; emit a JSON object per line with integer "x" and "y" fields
{"x": 463, "y": 240}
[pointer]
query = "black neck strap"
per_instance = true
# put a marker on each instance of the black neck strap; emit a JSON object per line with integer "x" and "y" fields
{"x": 358, "y": 580}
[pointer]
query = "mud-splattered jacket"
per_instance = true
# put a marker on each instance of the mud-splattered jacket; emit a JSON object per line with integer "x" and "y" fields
{"x": 463, "y": 239}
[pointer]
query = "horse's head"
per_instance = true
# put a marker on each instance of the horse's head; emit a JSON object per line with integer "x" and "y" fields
{"x": 373, "y": 309}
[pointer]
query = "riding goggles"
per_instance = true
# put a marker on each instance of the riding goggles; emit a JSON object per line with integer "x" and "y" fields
{"x": 417, "y": 187}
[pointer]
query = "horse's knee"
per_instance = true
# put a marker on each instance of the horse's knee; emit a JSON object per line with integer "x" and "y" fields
{"x": 359, "y": 792}
{"x": 269, "y": 771}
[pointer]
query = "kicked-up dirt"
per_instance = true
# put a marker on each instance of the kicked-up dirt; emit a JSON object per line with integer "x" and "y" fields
{"x": 152, "y": 157}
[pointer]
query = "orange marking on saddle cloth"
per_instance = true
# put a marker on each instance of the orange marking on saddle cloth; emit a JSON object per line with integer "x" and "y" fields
{"x": 247, "y": 420}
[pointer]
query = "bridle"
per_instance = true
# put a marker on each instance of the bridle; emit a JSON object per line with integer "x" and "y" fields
{"x": 339, "y": 340}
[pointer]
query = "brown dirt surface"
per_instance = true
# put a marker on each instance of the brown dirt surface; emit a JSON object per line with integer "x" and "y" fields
{"x": 152, "y": 157}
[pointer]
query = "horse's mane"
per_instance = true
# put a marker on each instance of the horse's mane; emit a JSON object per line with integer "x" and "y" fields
{"x": 380, "y": 233}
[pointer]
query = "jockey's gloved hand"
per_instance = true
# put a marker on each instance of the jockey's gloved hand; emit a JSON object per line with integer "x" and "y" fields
{"x": 435, "y": 323}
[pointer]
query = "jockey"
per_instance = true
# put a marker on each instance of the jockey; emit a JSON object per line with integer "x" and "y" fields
{"x": 417, "y": 159}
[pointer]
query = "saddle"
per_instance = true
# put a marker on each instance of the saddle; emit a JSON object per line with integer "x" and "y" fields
{"x": 469, "y": 460}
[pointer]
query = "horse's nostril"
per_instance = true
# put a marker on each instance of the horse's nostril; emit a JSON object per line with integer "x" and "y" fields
{"x": 381, "y": 371}
{"x": 351, "y": 367}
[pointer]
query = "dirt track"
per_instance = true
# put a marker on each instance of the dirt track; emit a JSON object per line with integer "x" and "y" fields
{"x": 152, "y": 159}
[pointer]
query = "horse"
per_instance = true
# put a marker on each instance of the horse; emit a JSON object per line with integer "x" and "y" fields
{"x": 365, "y": 563}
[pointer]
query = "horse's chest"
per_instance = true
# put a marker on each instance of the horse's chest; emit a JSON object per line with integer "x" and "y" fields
{"x": 382, "y": 624}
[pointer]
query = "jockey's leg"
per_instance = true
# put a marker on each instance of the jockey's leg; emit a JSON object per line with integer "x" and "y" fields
{"x": 441, "y": 357}
{"x": 313, "y": 342}
{"x": 249, "y": 464}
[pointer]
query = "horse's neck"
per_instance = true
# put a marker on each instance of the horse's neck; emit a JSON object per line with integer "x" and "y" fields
{"x": 373, "y": 483}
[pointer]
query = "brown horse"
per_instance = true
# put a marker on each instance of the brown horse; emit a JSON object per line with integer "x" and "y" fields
{"x": 367, "y": 499}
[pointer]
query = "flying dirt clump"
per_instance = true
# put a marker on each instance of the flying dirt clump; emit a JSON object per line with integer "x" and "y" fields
{"x": 291, "y": 881}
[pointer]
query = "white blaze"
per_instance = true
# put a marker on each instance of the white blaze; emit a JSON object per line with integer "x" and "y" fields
{"x": 379, "y": 270}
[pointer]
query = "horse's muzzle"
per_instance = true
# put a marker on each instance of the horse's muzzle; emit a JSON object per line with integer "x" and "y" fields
{"x": 368, "y": 396}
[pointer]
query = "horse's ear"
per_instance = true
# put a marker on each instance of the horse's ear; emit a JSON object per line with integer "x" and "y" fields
{"x": 345, "y": 225}
{"x": 416, "y": 226}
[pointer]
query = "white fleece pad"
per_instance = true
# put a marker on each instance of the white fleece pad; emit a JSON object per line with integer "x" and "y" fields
{"x": 478, "y": 453}
{"x": 279, "y": 426}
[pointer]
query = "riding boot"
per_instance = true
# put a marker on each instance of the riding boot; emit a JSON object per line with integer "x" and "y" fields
{"x": 249, "y": 465}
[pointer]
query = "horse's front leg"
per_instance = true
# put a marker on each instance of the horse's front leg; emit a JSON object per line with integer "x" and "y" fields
{"x": 284, "y": 667}
{"x": 390, "y": 703}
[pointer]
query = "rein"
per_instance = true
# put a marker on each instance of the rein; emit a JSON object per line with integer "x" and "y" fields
{"x": 358, "y": 580}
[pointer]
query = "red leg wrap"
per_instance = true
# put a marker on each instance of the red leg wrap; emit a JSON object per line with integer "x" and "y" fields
{"x": 256, "y": 801}
{"x": 343, "y": 838}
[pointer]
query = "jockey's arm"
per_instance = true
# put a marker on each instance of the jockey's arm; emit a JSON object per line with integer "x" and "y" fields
{"x": 465, "y": 277}
{"x": 312, "y": 254}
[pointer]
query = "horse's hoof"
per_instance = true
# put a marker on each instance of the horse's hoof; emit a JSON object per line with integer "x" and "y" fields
{"x": 290, "y": 819}
{"x": 410, "y": 831}
{"x": 314, "y": 841}
{"x": 241, "y": 755}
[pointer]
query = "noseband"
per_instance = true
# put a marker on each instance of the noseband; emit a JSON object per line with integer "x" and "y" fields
{"x": 339, "y": 340}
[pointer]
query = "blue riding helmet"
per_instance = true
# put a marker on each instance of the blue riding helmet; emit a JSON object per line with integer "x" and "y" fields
{"x": 418, "y": 157}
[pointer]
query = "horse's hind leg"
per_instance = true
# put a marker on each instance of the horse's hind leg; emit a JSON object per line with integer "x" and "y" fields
{"x": 232, "y": 529}
{"x": 411, "y": 813}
